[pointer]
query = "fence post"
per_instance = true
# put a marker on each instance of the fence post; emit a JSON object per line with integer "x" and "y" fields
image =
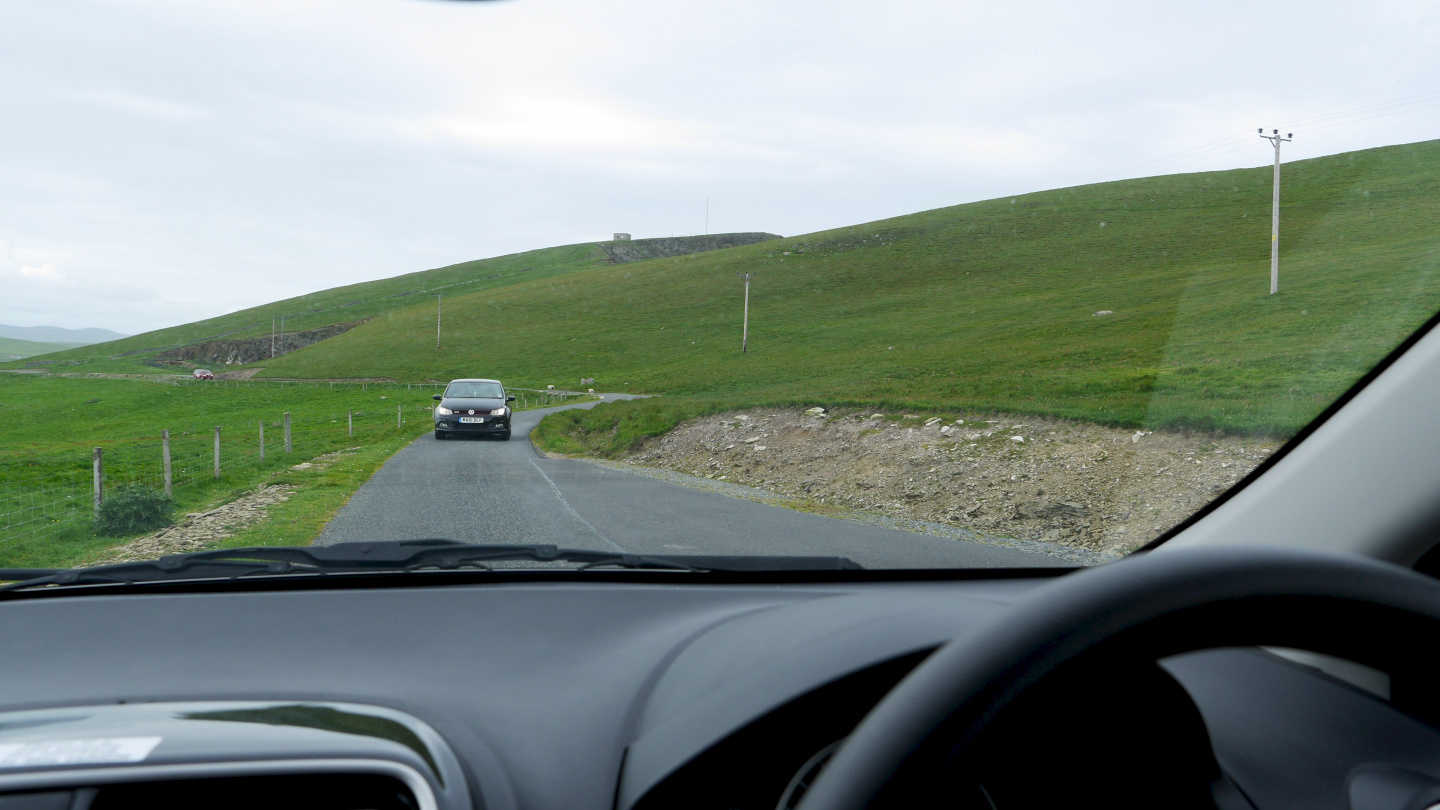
{"x": 350, "y": 424}
{"x": 287, "y": 431}
{"x": 399, "y": 409}
{"x": 165, "y": 458}
{"x": 217, "y": 451}
{"x": 98, "y": 470}
{"x": 262, "y": 440}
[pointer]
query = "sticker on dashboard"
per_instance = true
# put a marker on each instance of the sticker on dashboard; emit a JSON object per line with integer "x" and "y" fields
{"x": 101, "y": 751}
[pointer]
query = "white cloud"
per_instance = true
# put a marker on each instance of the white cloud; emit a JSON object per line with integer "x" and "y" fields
{"x": 177, "y": 160}
{"x": 44, "y": 271}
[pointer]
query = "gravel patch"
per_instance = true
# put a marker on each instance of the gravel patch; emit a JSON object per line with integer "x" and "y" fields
{"x": 1006, "y": 479}
{"x": 1078, "y": 556}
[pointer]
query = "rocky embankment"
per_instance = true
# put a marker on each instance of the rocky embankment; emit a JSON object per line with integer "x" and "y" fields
{"x": 251, "y": 350}
{"x": 1100, "y": 488}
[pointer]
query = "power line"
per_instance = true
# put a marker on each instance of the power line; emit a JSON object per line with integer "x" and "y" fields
{"x": 1373, "y": 117}
{"x": 1422, "y": 98}
{"x": 1235, "y": 143}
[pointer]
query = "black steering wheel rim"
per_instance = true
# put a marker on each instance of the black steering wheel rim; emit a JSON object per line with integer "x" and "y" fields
{"x": 1144, "y": 607}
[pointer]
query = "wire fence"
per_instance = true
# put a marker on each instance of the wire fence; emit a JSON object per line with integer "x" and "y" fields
{"x": 45, "y": 497}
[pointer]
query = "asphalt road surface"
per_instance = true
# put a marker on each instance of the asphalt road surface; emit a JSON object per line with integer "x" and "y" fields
{"x": 482, "y": 490}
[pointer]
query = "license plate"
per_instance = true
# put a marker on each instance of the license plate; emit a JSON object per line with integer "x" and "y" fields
{"x": 472, "y": 420}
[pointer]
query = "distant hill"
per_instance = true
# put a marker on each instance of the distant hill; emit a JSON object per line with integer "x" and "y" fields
{"x": 12, "y": 349}
{"x": 314, "y": 314}
{"x": 57, "y": 334}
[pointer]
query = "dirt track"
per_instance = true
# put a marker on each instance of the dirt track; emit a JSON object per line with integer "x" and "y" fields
{"x": 1083, "y": 485}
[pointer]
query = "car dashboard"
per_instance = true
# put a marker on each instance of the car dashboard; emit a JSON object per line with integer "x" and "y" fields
{"x": 628, "y": 691}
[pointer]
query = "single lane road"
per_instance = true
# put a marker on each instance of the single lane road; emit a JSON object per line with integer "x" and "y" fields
{"x": 480, "y": 490}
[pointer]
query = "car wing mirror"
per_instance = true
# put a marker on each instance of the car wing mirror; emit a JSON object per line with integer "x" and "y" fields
{"x": 438, "y": 397}
{"x": 510, "y": 399}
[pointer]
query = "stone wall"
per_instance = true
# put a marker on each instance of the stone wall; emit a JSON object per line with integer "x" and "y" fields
{"x": 636, "y": 250}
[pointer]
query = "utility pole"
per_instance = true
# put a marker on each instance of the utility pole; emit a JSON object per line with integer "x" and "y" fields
{"x": 165, "y": 459}
{"x": 282, "y": 334}
{"x": 438, "y": 296}
{"x": 1275, "y": 139}
{"x": 272, "y": 337}
{"x": 97, "y": 471}
{"x": 745, "y": 324}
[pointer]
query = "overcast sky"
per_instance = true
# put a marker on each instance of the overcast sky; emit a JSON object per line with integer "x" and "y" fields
{"x": 163, "y": 161}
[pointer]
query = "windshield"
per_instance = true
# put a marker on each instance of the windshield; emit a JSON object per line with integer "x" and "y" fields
{"x": 486, "y": 390}
{"x": 904, "y": 286}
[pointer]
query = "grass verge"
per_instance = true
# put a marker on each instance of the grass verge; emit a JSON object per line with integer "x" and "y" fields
{"x": 319, "y": 494}
{"x": 612, "y": 429}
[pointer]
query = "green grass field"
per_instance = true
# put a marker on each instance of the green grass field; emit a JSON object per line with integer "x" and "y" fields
{"x": 49, "y": 426}
{"x": 989, "y": 305}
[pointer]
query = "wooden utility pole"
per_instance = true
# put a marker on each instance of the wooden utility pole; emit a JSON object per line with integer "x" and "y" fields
{"x": 165, "y": 458}
{"x": 217, "y": 451}
{"x": 262, "y": 440}
{"x": 97, "y": 464}
{"x": 287, "y": 431}
{"x": 438, "y": 297}
{"x": 350, "y": 424}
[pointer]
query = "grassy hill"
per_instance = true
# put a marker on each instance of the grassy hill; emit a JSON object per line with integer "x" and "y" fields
{"x": 989, "y": 305}
{"x": 337, "y": 305}
{"x": 13, "y": 348}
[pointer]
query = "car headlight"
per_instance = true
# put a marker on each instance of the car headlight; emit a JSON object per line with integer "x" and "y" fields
{"x": 498, "y": 412}
{"x": 441, "y": 410}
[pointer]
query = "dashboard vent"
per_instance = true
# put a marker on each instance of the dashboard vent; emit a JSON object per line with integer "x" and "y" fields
{"x": 343, "y": 791}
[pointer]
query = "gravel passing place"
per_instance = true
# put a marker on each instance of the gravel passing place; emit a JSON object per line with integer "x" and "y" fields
{"x": 1107, "y": 490}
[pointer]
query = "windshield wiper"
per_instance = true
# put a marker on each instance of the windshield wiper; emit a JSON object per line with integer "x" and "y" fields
{"x": 394, "y": 557}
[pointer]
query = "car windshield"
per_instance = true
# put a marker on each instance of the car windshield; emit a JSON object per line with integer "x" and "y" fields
{"x": 900, "y": 285}
{"x": 485, "y": 390}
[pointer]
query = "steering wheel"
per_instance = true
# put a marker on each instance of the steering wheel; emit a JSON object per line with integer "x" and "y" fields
{"x": 1141, "y": 608}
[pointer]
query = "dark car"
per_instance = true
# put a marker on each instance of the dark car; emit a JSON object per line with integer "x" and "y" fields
{"x": 478, "y": 407}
